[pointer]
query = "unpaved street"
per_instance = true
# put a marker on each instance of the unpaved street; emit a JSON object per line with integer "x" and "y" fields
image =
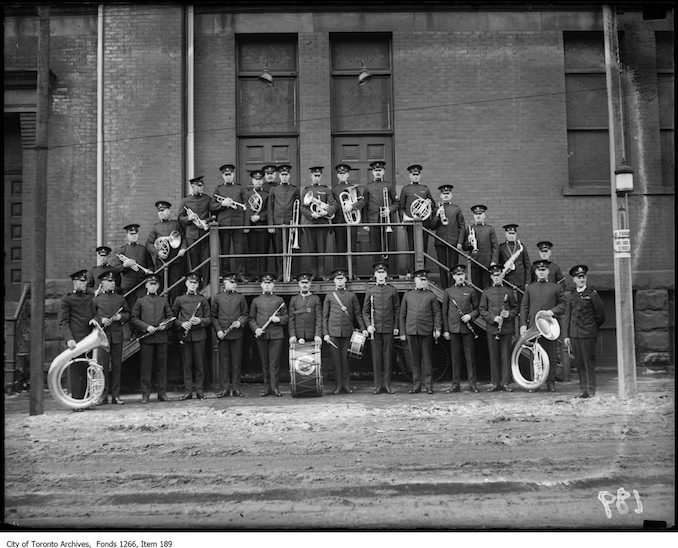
{"x": 359, "y": 461}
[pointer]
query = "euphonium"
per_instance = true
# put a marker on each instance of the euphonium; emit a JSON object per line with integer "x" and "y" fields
{"x": 95, "y": 372}
{"x": 316, "y": 204}
{"x": 441, "y": 214}
{"x": 164, "y": 243}
{"x": 347, "y": 198}
{"x": 255, "y": 202}
{"x": 421, "y": 208}
{"x": 544, "y": 326}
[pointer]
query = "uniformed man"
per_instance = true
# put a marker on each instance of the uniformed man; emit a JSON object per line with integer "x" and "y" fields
{"x": 76, "y": 309}
{"x": 547, "y": 296}
{"x": 481, "y": 241}
{"x": 111, "y": 312}
{"x": 152, "y": 317}
{"x": 381, "y": 206}
{"x": 270, "y": 177}
{"x": 499, "y": 309}
{"x": 257, "y": 215}
{"x": 305, "y": 312}
{"x": 341, "y": 312}
{"x": 514, "y": 259}
{"x": 317, "y": 208}
{"x": 555, "y": 273}
{"x": 230, "y": 315}
{"x": 196, "y": 224}
{"x": 134, "y": 263}
{"x": 459, "y": 310}
{"x": 229, "y": 204}
{"x": 420, "y": 324}
{"x": 281, "y": 200}
{"x": 192, "y": 312}
{"x": 167, "y": 254}
{"x": 584, "y": 314}
{"x": 271, "y": 182}
{"x": 103, "y": 264}
{"x": 448, "y": 222}
{"x": 409, "y": 194}
{"x": 268, "y": 315}
{"x": 347, "y": 209}
{"x": 381, "y": 314}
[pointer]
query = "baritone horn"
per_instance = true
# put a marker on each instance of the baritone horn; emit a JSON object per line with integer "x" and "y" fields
{"x": 316, "y": 205}
{"x": 95, "y": 372}
{"x": 348, "y": 198}
{"x": 544, "y": 326}
{"x": 164, "y": 243}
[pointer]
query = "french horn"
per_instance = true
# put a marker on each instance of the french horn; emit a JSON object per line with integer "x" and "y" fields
{"x": 255, "y": 202}
{"x": 95, "y": 372}
{"x": 539, "y": 365}
{"x": 421, "y": 208}
{"x": 164, "y": 243}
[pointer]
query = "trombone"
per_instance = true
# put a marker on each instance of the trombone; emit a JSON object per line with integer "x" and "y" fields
{"x": 293, "y": 239}
{"x": 385, "y": 217}
{"x": 229, "y": 202}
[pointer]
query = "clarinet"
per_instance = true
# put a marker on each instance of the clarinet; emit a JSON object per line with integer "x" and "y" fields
{"x": 185, "y": 333}
{"x": 164, "y": 322}
{"x": 372, "y": 315}
{"x": 468, "y": 324}
{"x": 500, "y": 323}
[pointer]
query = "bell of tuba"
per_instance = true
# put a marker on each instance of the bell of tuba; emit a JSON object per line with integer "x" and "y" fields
{"x": 539, "y": 365}
{"x": 95, "y": 372}
{"x": 347, "y": 198}
{"x": 421, "y": 208}
{"x": 164, "y": 243}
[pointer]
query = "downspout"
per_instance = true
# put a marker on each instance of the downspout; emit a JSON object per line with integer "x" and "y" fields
{"x": 100, "y": 126}
{"x": 190, "y": 98}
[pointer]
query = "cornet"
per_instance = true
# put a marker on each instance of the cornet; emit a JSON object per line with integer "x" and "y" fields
{"x": 317, "y": 205}
{"x": 164, "y": 243}
{"x": 135, "y": 266}
{"x": 229, "y": 202}
{"x": 441, "y": 214}
{"x": 200, "y": 223}
{"x": 348, "y": 198}
{"x": 472, "y": 240}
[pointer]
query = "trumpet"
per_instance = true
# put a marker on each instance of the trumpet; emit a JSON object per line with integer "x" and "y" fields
{"x": 472, "y": 240}
{"x": 441, "y": 214}
{"x": 255, "y": 202}
{"x": 229, "y": 202}
{"x": 317, "y": 205}
{"x": 135, "y": 266}
{"x": 348, "y": 198}
{"x": 200, "y": 223}
{"x": 421, "y": 208}
{"x": 387, "y": 210}
{"x": 164, "y": 243}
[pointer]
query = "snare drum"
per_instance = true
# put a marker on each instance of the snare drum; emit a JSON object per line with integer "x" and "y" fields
{"x": 356, "y": 345}
{"x": 305, "y": 370}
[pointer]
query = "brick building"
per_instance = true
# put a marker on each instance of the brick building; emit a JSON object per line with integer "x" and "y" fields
{"x": 508, "y": 103}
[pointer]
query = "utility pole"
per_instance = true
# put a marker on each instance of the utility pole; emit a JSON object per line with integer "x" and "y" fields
{"x": 623, "y": 284}
{"x": 39, "y": 221}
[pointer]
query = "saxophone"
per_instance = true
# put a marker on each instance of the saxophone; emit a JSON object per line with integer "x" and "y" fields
{"x": 510, "y": 264}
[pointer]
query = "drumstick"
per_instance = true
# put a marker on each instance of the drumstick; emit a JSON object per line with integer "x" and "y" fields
{"x": 335, "y": 346}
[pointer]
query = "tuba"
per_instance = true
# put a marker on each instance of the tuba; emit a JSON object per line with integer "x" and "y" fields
{"x": 347, "y": 198}
{"x": 164, "y": 243}
{"x": 421, "y": 209}
{"x": 95, "y": 372}
{"x": 544, "y": 326}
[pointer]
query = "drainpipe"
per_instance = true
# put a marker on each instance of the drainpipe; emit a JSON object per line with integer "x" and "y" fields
{"x": 190, "y": 97}
{"x": 100, "y": 126}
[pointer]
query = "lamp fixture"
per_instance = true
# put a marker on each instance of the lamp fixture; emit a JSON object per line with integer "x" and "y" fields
{"x": 266, "y": 76}
{"x": 623, "y": 178}
{"x": 364, "y": 76}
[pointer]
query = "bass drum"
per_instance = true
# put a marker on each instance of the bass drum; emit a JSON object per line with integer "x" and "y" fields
{"x": 306, "y": 378}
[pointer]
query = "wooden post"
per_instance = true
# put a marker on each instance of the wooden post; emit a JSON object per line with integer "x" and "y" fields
{"x": 418, "y": 229}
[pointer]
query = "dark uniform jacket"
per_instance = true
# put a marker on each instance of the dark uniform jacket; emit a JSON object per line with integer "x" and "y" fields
{"x": 96, "y": 271}
{"x": 374, "y": 199}
{"x": 281, "y": 204}
{"x": 584, "y": 314}
{"x": 107, "y": 305}
{"x": 130, "y": 277}
{"x": 541, "y": 296}
{"x": 261, "y": 309}
{"x": 227, "y": 307}
{"x": 493, "y": 300}
{"x": 76, "y": 309}
{"x": 163, "y": 229}
{"x": 420, "y": 313}
{"x": 201, "y": 206}
{"x": 520, "y": 274}
{"x": 386, "y": 308}
{"x": 228, "y": 216}
{"x": 409, "y": 194}
{"x": 555, "y": 274}
{"x": 263, "y": 213}
{"x": 305, "y": 316}
{"x": 151, "y": 310}
{"x": 453, "y": 231}
{"x": 324, "y": 194}
{"x": 339, "y": 316}
{"x": 184, "y": 307}
{"x": 488, "y": 246}
{"x": 466, "y": 298}
{"x": 358, "y": 205}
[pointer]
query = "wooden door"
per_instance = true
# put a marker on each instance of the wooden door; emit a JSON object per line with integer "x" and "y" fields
{"x": 12, "y": 240}
{"x": 255, "y": 152}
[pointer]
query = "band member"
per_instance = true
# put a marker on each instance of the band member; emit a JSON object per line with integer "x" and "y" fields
{"x": 350, "y": 200}
{"x": 76, "y": 309}
{"x": 103, "y": 265}
{"x": 111, "y": 312}
{"x": 380, "y": 207}
{"x": 448, "y": 222}
{"x": 133, "y": 263}
{"x": 481, "y": 240}
{"x": 192, "y": 312}
{"x": 281, "y": 200}
{"x": 499, "y": 309}
{"x": 341, "y": 312}
{"x": 411, "y": 193}
{"x": 162, "y": 252}
{"x": 270, "y": 182}
{"x": 381, "y": 314}
{"x": 196, "y": 224}
{"x": 268, "y": 315}
{"x": 257, "y": 215}
{"x": 547, "y": 296}
{"x": 555, "y": 273}
{"x": 151, "y": 316}
{"x": 305, "y": 313}
{"x": 459, "y": 310}
{"x": 584, "y": 314}
{"x": 514, "y": 259}
{"x": 230, "y": 315}
{"x": 420, "y": 323}
{"x": 229, "y": 204}
{"x": 317, "y": 208}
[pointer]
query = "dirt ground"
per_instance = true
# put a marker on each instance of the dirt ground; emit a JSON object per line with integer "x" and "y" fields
{"x": 444, "y": 461}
